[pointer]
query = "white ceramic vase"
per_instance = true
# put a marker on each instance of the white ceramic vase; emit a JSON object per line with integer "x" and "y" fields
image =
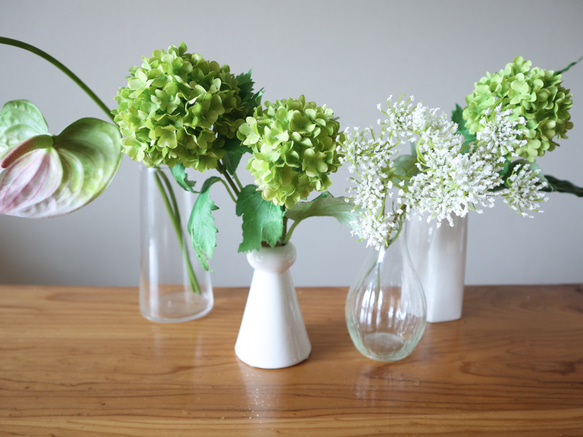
{"x": 439, "y": 256}
{"x": 272, "y": 333}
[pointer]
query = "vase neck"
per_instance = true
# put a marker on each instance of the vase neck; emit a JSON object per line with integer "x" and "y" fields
{"x": 273, "y": 259}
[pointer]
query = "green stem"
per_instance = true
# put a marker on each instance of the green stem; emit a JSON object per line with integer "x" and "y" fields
{"x": 228, "y": 188}
{"x": 60, "y": 66}
{"x": 223, "y": 171}
{"x": 239, "y": 184}
{"x": 169, "y": 199}
{"x": 569, "y": 66}
{"x": 285, "y": 236}
{"x": 288, "y": 234}
{"x": 232, "y": 184}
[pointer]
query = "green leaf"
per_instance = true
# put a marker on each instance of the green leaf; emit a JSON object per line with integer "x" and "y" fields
{"x": 201, "y": 224}
{"x": 325, "y": 205}
{"x": 234, "y": 151}
{"x": 251, "y": 99}
{"x": 203, "y": 232}
{"x": 562, "y": 186}
{"x": 179, "y": 173}
{"x": 46, "y": 176}
{"x": 510, "y": 166}
{"x": 262, "y": 220}
{"x": 404, "y": 168}
{"x": 458, "y": 117}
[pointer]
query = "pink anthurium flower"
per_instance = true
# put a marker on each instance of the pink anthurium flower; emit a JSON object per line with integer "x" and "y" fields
{"x": 42, "y": 175}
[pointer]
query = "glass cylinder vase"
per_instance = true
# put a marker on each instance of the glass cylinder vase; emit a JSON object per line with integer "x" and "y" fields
{"x": 173, "y": 286}
{"x": 385, "y": 307}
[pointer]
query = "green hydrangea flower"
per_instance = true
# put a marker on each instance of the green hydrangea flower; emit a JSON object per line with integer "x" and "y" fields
{"x": 537, "y": 95}
{"x": 294, "y": 149}
{"x": 179, "y": 108}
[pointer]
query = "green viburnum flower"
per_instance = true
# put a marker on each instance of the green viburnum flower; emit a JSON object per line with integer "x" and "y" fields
{"x": 294, "y": 151}
{"x": 535, "y": 94}
{"x": 179, "y": 108}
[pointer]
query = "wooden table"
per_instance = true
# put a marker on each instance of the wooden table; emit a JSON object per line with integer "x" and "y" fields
{"x": 82, "y": 361}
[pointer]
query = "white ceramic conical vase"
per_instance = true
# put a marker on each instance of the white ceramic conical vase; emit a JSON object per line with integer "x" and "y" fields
{"x": 272, "y": 333}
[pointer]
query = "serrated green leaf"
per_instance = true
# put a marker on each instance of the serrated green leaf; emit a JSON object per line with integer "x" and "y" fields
{"x": 201, "y": 224}
{"x": 262, "y": 220}
{"x": 404, "y": 168}
{"x": 179, "y": 173}
{"x": 234, "y": 151}
{"x": 325, "y": 205}
{"x": 251, "y": 99}
{"x": 46, "y": 176}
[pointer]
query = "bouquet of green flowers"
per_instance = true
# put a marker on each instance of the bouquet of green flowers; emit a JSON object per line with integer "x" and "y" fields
{"x": 185, "y": 112}
{"x": 486, "y": 151}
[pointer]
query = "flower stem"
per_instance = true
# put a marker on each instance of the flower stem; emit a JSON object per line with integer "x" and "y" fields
{"x": 223, "y": 171}
{"x": 228, "y": 188}
{"x": 60, "y": 66}
{"x": 169, "y": 199}
{"x": 287, "y": 234}
{"x": 236, "y": 178}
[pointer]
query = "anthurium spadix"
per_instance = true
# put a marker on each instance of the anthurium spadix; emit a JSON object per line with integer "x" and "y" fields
{"x": 44, "y": 175}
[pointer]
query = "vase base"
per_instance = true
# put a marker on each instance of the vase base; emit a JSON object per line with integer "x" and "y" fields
{"x": 267, "y": 364}
{"x": 441, "y": 319}
{"x": 382, "y": 344}
{"x": 177, "y": 307}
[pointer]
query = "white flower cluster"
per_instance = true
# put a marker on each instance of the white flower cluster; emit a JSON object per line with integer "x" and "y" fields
{"x": 499, "y": 133}
{"x": 370, "y": 158}
{"x": 446, "y": 178}
{"x": 523, "y": 194}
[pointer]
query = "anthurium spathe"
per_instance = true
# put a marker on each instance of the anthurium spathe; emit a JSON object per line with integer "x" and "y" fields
{"x": 44, "y": 175}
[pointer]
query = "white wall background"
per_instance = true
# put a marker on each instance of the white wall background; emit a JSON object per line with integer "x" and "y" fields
{"x": 348, "y": 54}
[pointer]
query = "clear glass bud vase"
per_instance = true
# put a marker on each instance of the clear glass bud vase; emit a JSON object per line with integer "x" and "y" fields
{"x": 173, "y": 286}
{"x": 385, "y": 308}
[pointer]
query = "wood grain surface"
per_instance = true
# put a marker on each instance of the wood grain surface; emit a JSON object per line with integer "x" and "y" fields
{"x": 82, "y": 361}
